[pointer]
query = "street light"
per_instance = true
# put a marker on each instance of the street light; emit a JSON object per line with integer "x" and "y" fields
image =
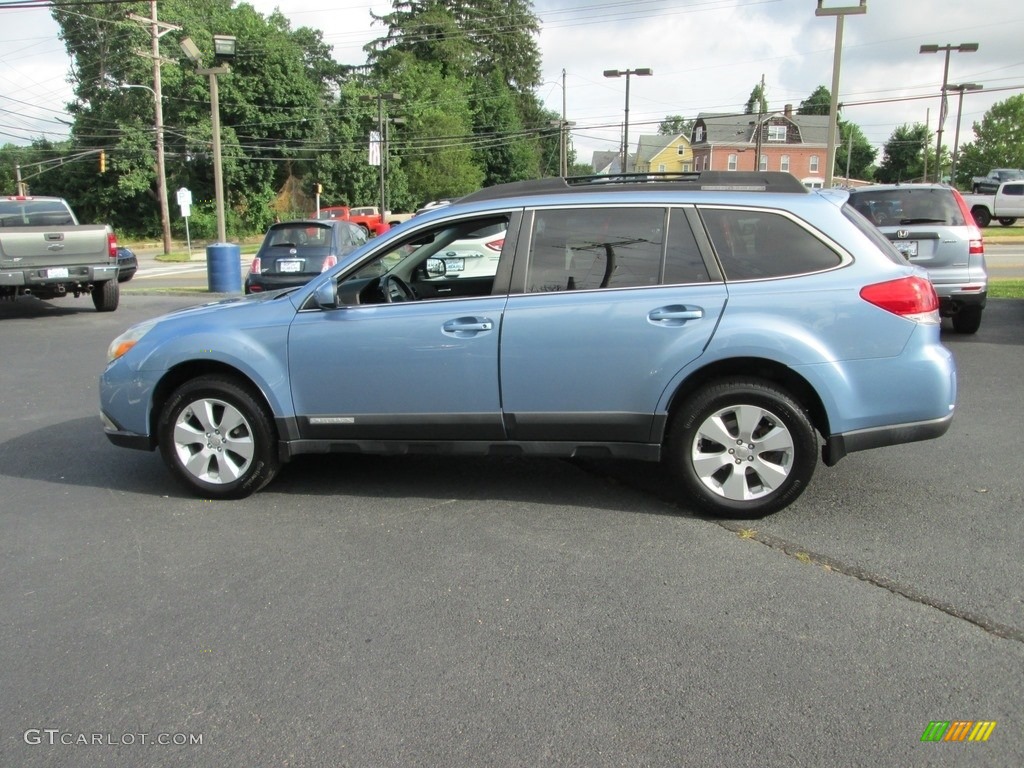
{"x": 960, "y": 88}
{"x": 161, "y": 173}
{"x": 643, "y": 72}
{"x": 837, "y": 56}
{"x": 962, "y": 48}
{"x": 224, "y": 46}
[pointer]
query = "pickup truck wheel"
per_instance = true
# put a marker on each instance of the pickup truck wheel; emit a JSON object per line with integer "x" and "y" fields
{"x": 967, "y": 320}
{"x": 218, "y": 439}
{"x": 981, "y": 215}
{"x": 106, "y": 296}
{"x": 1006, "y": 221}
{"x": 741, "y": 448}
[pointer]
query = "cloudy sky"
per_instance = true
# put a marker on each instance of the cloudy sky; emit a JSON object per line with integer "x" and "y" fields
{"x": 707, "y": 55}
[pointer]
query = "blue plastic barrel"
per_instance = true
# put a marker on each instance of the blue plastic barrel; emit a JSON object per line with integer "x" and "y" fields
{"x": 224, "y": 267}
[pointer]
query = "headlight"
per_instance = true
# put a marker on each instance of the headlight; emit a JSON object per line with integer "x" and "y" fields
{"x": 127, "y": 340}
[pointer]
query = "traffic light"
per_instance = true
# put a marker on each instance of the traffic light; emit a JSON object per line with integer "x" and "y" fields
{"x": 103, "y": 161}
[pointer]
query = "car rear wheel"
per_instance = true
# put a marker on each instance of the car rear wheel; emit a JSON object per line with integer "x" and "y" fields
{"x": 106, "y": 296}
{"x": 967, "y": 320}
{"x": 742, "y": 448}
{"x": 1006, "y": 221}
{"x": 981, "y": 216}
{"x": 218, "y": 439}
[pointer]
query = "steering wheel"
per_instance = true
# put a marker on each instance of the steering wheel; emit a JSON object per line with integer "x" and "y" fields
{"x": 394, "y": 288}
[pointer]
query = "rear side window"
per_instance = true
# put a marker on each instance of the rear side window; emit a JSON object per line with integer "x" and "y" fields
{"x": 754, "y": 245}
{"x": 587, "y": 248}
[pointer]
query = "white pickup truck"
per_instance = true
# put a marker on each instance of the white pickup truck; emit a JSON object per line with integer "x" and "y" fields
{"x": 45, "y": 252}
{"x": 1005, "y": 206}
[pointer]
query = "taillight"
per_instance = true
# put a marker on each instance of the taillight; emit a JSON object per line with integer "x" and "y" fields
{"x": 975, "y": 238}
{"x": 112, "y": 245}
{"x": 910, "y": 297}
{"x": 495, "y": 245}
{"x": 330, "y": 261}
{"x": 256, "y": 267}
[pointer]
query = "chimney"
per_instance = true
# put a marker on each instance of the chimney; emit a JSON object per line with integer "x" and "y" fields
{"x": 788, "y": 110}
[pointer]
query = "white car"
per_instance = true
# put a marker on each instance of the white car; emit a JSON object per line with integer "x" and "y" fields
{"x": 474, "y": 256}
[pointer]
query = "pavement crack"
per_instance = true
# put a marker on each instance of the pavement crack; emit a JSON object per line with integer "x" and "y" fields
{"x": 803, "y": 555}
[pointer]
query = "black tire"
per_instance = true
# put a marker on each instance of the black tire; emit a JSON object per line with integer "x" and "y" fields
{"x": 106, "y": 296}
{"x": 967, "y": 320}
{"x": 741, "y": 413}
{"x": 1006, "y": 221}
{"x": 231, "y": 465}
{"x": 981, "y": 215}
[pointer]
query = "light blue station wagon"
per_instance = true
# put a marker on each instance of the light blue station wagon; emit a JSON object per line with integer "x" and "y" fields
{"x": 732, "y": 325}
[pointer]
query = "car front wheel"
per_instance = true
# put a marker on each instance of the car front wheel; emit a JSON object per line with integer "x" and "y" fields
{"x": 218, "y": 439}
{"x": 742, "y": 448}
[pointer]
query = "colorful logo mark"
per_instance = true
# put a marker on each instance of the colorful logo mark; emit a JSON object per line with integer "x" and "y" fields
{"x": 958, "y": 730}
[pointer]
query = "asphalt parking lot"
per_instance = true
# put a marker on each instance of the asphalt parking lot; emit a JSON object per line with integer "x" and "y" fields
{"x": 372, "y": 611}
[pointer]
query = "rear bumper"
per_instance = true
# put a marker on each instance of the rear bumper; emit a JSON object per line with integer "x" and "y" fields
{"x": 953, "y": 298}
{"x": 262, "y": 283}
{"x": 837, "y": 446}
{"x": 80, "y": 274}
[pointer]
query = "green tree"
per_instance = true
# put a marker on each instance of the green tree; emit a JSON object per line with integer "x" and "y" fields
{"x": 758, "y": 102}
{"x": 903, "y": 154}
{"x": 673, "y": 125}
{"x": 271, "y": 107}
{"x": 854, "y": 149}
{"x": 999, "y": 142}
{"x": 818, "y": 103}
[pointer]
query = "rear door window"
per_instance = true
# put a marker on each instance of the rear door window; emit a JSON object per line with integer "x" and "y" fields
{"x": 756, "y": 244}
{"x": 586, "y": 248}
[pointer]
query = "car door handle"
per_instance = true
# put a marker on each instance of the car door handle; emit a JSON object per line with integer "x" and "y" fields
{"x": 676, "y": 315}
{"x": 468, "y": 326}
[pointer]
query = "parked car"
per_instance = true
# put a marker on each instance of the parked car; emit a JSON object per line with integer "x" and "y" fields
{"x": 987, "y": 185}
{"x": 476, "y": 255}
{"x": 932, "y": 225}
{"x": 733, "y": 325}
{"x": 293, "y": 252}
{"x": 127, "y": 264}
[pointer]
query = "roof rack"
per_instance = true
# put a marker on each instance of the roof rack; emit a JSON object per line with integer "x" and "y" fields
{"x": 720, "y": 181}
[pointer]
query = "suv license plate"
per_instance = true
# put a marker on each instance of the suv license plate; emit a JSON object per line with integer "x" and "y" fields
{"x": 57, "y": 272}
{"x": 454, "y": 265}
{"x": 290, "y": 266}
{"x": 907, "y": 247}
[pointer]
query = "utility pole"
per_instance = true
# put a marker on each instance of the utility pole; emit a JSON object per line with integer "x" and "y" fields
{"x": 760, "y": 111}
{"x": 837, "y": 57}
{"x": 158, "y": 30}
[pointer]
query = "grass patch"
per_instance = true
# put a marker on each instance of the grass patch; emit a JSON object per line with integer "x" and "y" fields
{"x": 1006, "y": 289}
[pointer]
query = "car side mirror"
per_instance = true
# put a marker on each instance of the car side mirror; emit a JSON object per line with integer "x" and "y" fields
{"x": 326, "y": 295}
{"x": 436, "y": 268}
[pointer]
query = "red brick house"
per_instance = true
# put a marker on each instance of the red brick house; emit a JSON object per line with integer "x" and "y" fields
{"x": 790, "y": 142}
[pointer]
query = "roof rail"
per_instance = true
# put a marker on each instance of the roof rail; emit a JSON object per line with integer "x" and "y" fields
{"x": 724, "y": 181}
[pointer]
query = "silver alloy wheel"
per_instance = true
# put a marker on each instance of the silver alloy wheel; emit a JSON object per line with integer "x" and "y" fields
{"x": 742, "y": 452}
{"x": 213, "y": 441}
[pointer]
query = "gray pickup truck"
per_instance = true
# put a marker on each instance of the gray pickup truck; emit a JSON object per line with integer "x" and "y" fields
{"x": 45, "y": 252}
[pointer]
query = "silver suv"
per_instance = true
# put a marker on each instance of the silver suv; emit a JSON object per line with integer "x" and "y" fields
{"x": 932, "y": 226}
